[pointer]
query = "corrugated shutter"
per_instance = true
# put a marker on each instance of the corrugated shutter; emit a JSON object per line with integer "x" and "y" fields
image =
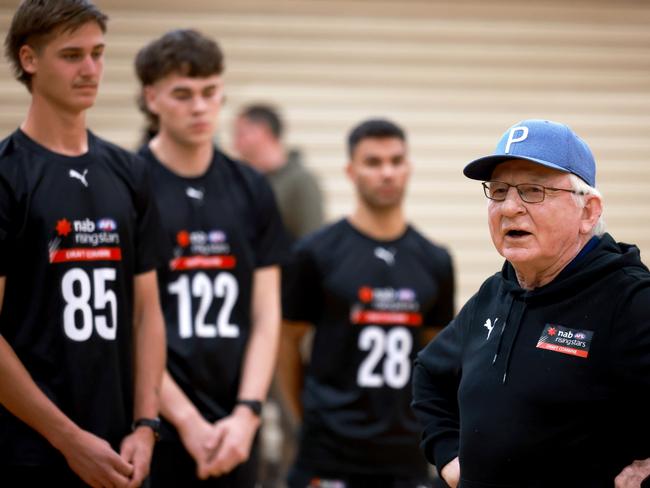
{"x": 455, "y": 74}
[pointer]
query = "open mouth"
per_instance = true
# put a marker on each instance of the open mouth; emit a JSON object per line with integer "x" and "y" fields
{"x": 517, "y": 233}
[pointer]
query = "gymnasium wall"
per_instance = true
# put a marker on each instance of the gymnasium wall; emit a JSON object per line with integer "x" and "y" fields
{"x": 454, "y": 73}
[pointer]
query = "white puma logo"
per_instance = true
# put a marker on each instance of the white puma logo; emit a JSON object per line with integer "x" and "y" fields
{"x": 81, "y": 177}
{"x": 194, "y": 193}
{"x": 488, "y": 325}
{"x": 386, "y": 255}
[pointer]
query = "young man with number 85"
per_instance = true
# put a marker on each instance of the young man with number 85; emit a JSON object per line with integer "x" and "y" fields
{"x": 83, "y": 346}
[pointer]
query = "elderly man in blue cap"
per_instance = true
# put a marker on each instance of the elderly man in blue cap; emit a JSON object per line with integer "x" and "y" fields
{"x": 543, "y": 378}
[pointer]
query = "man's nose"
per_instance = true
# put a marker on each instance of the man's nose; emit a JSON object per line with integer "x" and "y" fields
{"x": 387, "y": 170}
{"x": 199, "y": 104}
{"x": 513, "y": 203}
{"x": 90, "y": 66}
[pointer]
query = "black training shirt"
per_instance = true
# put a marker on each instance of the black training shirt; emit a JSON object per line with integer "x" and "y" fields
{"x": 222, "y": 225}
{"x": 369, "y": 301}
{"x": 74, "y": 231}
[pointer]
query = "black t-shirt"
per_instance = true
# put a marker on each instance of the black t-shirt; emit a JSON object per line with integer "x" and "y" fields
{"x": 369, "y": 301}
{"x": 222, "y": 225}
{"x": 73, "y": 233}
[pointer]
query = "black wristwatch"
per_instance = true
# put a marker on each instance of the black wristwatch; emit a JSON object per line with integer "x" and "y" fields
{"x": 153, "y": 424}
{"x": 255, "y": 406}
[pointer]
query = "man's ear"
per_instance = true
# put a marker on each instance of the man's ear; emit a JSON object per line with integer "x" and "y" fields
{"x": 28, "y": 59}
{"x": 591, "y": 212}
{"x": 149, "y": 97}
{"x": 349, "y": 171}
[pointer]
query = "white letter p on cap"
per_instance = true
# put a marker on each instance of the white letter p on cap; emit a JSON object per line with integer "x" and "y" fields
{"x": 512, "y": 138}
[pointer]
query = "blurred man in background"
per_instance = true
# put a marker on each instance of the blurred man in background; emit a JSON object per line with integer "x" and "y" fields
{"x": 258, "y": 135}
{"x": 376, "y": 291}
{"x": 221, "y": 289}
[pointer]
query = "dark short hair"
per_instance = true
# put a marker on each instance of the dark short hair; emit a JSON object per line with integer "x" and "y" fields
{"x": 35, "y": 21}
{"x": 264, "y": 114}
{"x": 183, "y": 51}
{"x": 373, "y": 129}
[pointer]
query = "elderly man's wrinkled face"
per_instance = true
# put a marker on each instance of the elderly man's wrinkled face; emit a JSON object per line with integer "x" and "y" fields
{"x": 535, "y": 236}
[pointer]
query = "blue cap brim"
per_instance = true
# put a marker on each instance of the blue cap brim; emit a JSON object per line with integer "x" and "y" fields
{"x": 482, "y": 168}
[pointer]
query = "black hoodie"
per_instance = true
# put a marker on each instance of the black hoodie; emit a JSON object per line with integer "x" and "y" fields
{"x": 543, "y": 388}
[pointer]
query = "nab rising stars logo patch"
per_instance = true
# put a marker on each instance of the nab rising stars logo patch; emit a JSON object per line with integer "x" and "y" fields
{"x": 565, "y": 340}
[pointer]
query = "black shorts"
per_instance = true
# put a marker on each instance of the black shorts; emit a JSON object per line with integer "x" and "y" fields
{"x": 173, "y": 467}
{"x": 305, "y": 478}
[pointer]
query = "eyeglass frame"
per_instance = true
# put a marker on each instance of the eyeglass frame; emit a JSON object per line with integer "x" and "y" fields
{"x": 519, "y": 192}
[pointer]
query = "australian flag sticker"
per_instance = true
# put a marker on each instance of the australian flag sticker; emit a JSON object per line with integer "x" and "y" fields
{"x": 558, "y": 338}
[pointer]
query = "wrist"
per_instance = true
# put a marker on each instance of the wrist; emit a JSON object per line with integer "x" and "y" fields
{"x": 253, "y": 406}
{"x": 249, "y": 410}
{"x": 144, "y": 424}
{"x": 185, "y": 419}
{"x": 64, "y": 436}
{"x": 145, "y": 433}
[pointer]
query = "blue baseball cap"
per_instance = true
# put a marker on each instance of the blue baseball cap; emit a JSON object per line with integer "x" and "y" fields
{"x": 543, "y": 142}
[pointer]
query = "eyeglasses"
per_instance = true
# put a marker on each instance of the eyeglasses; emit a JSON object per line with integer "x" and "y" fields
{"x": 529, "y": 192}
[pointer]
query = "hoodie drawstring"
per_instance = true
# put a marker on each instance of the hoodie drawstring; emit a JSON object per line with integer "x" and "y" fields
{"x": 500, "y": 340}
{"x": 503, "y": 327}
{"x": 512, "y": 344}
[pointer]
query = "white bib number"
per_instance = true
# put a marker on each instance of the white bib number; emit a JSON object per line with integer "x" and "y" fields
{"x": 79, "y": 317}
{"x": 224, "y": 286}
{"x": 394, "y": 346}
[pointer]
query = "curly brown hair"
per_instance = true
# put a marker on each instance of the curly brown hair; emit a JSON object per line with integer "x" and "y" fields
{"x": 183, "y": 51}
